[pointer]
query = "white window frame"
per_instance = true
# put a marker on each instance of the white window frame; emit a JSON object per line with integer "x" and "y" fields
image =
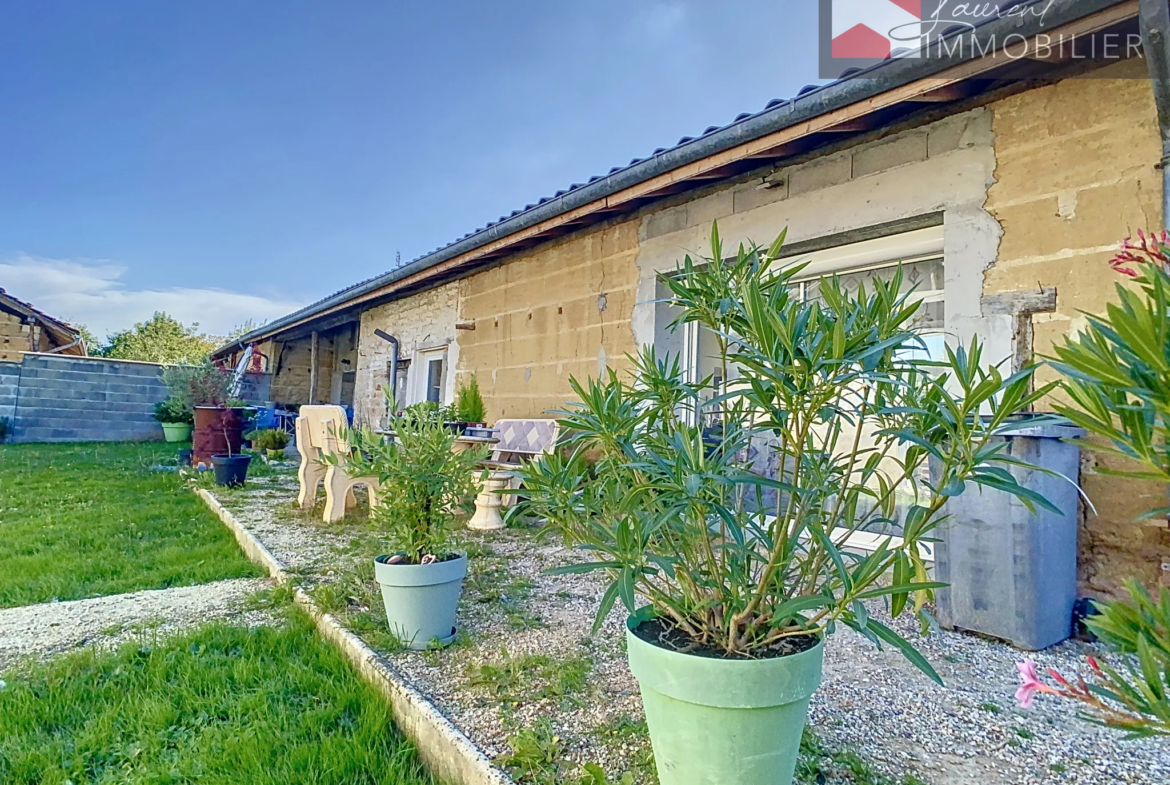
{"x": 904, "y": 248}
{"x": 420, "y": 374}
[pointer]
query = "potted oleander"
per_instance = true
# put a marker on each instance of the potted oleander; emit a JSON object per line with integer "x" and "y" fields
{"x": 727, "y": 545}
{"x": 175, "y": 418}
{"x": 424, "y": 485}
{"x": 1117, "y": 381}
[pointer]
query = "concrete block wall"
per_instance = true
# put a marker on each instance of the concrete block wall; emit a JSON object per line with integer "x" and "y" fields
{"x": 75, "y": 399}
{"x": 560, "y": 311}
{"x": 9, "y": 385}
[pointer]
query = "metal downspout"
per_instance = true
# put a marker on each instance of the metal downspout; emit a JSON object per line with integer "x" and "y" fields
{"x": 1154, "y": 17}
{"x": 393, "y": 364}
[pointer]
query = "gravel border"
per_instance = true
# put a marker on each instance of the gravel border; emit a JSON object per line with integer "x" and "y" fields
{"x": 449, "y": 754}
{"x": 515, "y": 616}
{"x": 51, "y": 628}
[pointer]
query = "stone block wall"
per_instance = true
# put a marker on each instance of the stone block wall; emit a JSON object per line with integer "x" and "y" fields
{"x": 75, "y": 399}
{"x": 1077, "y": 172}
{"x": 290, "y": 363}
{"x": 16, "y": 337}
{"x": 420, "y": 322}
{"x": 561, "y": 310}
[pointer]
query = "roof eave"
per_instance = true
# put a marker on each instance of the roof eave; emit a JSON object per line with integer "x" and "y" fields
{"x": 887, "y": 76}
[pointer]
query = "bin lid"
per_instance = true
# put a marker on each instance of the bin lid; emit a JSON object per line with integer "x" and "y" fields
{"x": 1044, "y": 431}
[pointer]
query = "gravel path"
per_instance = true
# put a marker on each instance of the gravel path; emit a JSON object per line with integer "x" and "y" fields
{"x": 51, "y": 628}
{"x": 525, "y": 636}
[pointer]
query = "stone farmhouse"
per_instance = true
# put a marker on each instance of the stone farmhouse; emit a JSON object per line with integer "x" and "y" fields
{"x": 1002, "y": 180}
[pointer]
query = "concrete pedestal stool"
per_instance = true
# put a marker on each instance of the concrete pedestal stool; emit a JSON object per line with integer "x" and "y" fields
{"x": 488, "y": 502}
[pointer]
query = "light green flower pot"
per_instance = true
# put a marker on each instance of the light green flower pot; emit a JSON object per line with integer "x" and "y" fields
{"x": 176, "y": 431}
{"x": 421, "y": 599}
{"x": 714, "y": 721}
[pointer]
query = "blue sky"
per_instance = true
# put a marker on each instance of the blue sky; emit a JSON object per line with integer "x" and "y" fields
{"x": 234, "y": 160}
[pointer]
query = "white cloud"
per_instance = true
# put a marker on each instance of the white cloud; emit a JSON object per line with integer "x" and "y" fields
{"x": 659, "y": 23}
{"x": 92, "y": 292}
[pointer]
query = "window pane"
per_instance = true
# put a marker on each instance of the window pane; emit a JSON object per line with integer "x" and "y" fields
{"x": 435, "y": 381}
{"x": 924, "y": 278}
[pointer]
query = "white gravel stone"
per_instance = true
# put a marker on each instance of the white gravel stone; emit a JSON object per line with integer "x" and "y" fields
{"x": 55, "y": 627}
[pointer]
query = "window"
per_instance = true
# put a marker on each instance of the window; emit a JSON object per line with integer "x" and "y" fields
{"x": 920, "y": 254}
{"x": 923, "y": 272}
{"x": 429, "y": 377}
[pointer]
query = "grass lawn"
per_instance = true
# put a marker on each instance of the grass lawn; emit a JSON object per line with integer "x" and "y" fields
{"x": 221, "y": 704}
{"x": 83, "y": 520}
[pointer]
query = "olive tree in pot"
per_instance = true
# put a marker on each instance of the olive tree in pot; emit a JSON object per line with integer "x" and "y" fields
{"x": 219, "y": 421}
{"x": 425, "y": 484}
{"x": 734, "y": 576}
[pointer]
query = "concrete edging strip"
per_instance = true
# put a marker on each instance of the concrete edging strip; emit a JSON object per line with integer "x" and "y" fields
{"x": 447, "y": 752}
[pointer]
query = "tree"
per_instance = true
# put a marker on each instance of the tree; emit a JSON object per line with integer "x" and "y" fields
{"x": 161, "y": 339}
{"x": 237, "y": 332}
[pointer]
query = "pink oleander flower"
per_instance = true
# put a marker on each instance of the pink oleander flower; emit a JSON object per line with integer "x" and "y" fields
{"x": 1153, "y": 248}
{"x": 1030, "y": 684}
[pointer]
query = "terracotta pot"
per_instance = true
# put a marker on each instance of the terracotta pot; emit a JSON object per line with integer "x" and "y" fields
{"x": 218, "y": 431}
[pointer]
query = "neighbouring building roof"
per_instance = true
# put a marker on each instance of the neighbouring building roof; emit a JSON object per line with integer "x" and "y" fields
{"x": 862, "y": 101}
{"x": 61, "y": 333}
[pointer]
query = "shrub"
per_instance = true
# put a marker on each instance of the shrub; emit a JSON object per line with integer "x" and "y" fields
{"x": 268, "y": 439}
{"x": 172, "y": 409}
{"x": 198, "y": 385}
{"x": 5, "y": 428}
{"x": 1117, "y": 375}
{"x": 741, "y": 560}
{"x": 424, "y": 483}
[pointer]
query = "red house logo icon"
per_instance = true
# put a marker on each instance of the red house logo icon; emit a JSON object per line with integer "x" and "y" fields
{"x": 871, "y": 30}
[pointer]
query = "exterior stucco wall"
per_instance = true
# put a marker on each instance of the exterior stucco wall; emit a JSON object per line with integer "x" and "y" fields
{"x": 946, "y": 167}
{"x": 563, "y": 309}
{"x": 1076, "y": 173}
{"x": 420, "y": 322}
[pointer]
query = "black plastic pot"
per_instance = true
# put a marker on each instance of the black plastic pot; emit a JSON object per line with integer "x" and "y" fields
{"x": 231, "y": 470}
{"x": 185, "y": 457}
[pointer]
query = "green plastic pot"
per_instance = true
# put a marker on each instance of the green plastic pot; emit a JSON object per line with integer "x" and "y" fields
{"x": 421, "y": 599}
{"x": 715, "y": 721}
{"x": 176, "y": 431}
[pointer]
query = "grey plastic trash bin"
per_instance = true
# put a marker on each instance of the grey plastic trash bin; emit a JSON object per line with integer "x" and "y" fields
{"x": 1013, "y": 573}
